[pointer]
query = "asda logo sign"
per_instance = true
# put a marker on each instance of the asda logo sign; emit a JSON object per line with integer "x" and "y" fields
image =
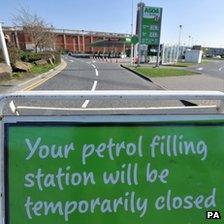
{"x": 151, "y": 13}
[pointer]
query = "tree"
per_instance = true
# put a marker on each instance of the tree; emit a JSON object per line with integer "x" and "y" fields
{"x": 36, "y": 28}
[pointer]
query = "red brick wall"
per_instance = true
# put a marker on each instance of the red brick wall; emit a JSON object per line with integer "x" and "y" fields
{"x": 69, "y": 43}
{"x": 21, "y": 40}
{"x": 59, "y": 42}
{"x": 72, "y": 43}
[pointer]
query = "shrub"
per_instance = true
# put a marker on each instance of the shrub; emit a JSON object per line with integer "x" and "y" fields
{"x": 31, "y": 57}
{"x": 48, "y": 54}
{"x": 57, "y": 56}
{"x": 63, "y": 51}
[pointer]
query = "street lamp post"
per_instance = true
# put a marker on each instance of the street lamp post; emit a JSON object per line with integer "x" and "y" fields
{"x": 180, "y": 33}
{"x": 132, "y": 18}
{"x": 192, "y": 41}
{"x": 4, "y": 47}
{"x": 189, "y": 41}
{"x": 179, "y": 42}
{"x": 140, "y": 12}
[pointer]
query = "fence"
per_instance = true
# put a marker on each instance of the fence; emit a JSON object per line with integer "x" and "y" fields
{"x": 172, "y": 53}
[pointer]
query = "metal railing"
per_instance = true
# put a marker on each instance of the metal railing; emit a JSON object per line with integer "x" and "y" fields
{"x": 119, "y": 95}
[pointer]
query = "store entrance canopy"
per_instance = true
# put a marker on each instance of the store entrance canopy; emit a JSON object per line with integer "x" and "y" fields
{"x": 111, "y": 42}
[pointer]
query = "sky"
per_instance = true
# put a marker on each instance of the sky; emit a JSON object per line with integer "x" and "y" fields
{"x": 203, "y": 20}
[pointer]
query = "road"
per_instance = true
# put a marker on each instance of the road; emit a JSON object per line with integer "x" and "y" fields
{"x": 87, "y": 74}
{"x": 214, "y": 68}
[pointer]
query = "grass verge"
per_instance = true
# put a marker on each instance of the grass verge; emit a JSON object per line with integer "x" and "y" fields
{"x": 161, "y": 72}
{"x": 205, "y": 61}
{"x": 36, "y": 70}
{"x": 188, "y": 64}
{"x": 181, "y": 64}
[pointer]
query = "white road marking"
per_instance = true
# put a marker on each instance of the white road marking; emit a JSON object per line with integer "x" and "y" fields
{"x": 71, "y": 60}
{"x": 220, "y": 69}
{"x": 199, "y": 69}
{"x": 85, "y": 104}
{"x": 13, "y": 108}
{"x": 96, "y": 71}
{"x": 94, "y": 86}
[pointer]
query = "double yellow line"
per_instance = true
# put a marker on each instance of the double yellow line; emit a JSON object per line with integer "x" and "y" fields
{"x": 40, "y": 82}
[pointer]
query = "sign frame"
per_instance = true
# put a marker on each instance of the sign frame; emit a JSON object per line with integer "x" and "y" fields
{"x": 87, "y": 120}
{"x": 149, "y": 23}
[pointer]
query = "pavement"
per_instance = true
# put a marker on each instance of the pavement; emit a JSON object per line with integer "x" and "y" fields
{"x": 211, "y": 78}
{"x": 191, "y": 82}
{"x": 213, "y": 68}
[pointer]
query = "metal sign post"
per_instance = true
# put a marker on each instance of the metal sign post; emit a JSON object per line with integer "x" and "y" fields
{"x": 139, "y": 27}
{"x": 151, "y": 28}
{"x": 134, "y": 41}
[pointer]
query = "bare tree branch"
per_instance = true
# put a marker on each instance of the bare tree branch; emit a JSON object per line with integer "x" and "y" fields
{"x": 40, "y": 32}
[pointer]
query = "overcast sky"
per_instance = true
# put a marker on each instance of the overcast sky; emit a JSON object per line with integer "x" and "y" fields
{"x": 201, "y": 19}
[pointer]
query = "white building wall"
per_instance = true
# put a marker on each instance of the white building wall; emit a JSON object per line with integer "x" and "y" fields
{"x": 193, "y": 56}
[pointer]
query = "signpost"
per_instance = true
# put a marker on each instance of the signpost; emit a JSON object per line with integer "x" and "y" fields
{"x": 150, "y": 27}
{"x": 134, "y": 39}
{"x": 141, "y": 170}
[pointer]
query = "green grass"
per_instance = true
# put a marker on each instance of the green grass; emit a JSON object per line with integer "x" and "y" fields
{"x": 38, "y": 69}
{"x": 182, "y": 64}
{"x": 161, "y": 72}
{"x": 205, "y": 61}
{"x": 188, "y": 64}
{"x": 16, "y": 74}
{"x": 214, "y": 59}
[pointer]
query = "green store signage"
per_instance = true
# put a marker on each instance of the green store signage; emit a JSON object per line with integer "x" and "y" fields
{"x": 114, "y": 173}
{"x": 151, "y": 25}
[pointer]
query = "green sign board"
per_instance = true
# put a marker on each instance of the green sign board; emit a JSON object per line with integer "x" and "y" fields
{"x": 113, "y": 173}
{"x": 151, "y": 25}
{"x": 134, "y": 39}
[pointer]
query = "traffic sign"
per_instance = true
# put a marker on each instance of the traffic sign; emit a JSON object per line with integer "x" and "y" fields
{"x": 134, "y": 39}
{"x": 151, "y": 25}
